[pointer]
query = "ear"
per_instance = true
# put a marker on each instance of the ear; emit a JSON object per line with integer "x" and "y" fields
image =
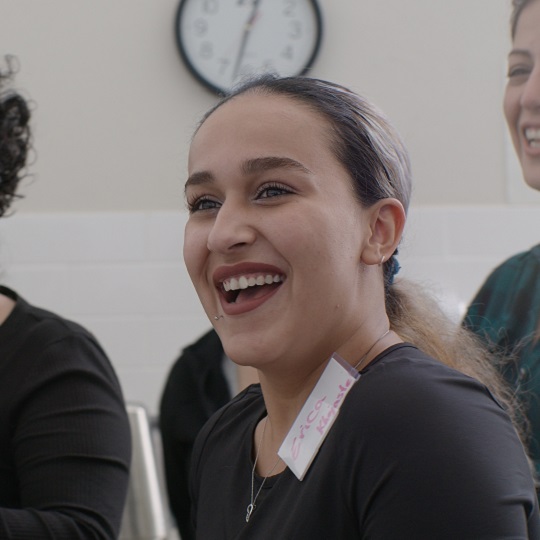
{"x": 386, "y": 222}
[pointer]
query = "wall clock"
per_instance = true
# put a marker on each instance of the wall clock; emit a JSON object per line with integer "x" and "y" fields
{"x": 223, "y": 41}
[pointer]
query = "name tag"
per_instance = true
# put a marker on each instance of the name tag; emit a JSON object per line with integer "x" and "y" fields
{"x": 317, "y": 416}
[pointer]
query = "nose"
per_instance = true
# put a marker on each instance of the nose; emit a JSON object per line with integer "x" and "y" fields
{"x": 530, "y": 98}
{"x": 232, "y": 229}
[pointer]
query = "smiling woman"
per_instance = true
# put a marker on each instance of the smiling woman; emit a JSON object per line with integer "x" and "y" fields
{"x": 297, "y": 191}
{"x": 506, "y": 310}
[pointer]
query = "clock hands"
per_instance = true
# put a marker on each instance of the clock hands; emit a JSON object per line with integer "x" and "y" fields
{"x": 247, "y": 31}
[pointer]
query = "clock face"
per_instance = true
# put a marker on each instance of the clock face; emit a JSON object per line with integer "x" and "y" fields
{"x": 224, "y": 41}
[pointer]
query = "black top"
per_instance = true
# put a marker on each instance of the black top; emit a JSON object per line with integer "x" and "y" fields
{"x": 196, "y": 388}
{"x": 65, "y": 444}
{"x": 418, "y": 451}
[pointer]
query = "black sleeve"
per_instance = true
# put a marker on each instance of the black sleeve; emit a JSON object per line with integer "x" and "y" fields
{"x": 446, "y": 464}
{"x": 195, "y": 388}
{"x": 177, "y": 457}
{"x": 179, "y": 426}
{"x": 71, "y": 445}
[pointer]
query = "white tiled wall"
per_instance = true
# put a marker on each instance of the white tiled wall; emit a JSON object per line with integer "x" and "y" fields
{"x": 121, "y": 274}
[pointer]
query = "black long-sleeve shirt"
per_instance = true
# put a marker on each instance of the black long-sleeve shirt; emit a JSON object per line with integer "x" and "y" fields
{"x": 65, "y": 443}
{"x": 418, "y": 452}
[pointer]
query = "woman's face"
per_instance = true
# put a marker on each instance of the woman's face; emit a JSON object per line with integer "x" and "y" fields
{"x": 275, "y": 236}
{"x": 522, "y": 97}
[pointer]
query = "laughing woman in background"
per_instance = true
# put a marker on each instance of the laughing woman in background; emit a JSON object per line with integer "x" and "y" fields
{"x": 506, "y": 310}
{"x": 64, "y": 434}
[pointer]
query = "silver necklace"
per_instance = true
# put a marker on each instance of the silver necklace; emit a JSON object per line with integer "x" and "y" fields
{"x": 359, "y": 366}
{"x": 251, "y": 505}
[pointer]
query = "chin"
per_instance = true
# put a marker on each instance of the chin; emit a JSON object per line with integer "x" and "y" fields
{"x": 532, "y": 180}
{"x": 246, "y": 352}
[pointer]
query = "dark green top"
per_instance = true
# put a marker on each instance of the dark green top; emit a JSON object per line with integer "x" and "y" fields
{"x": 506, "y": 314}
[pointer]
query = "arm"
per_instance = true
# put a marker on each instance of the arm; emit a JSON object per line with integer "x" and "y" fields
{"x": 177, "y": 458}
{"x": 70, "y": 445}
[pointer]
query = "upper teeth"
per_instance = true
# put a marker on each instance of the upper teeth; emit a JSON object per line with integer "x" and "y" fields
{"x": 244, "y": 282}
{"x": 532, "y": 133}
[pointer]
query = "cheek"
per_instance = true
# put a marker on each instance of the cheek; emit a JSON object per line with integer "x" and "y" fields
{"x": 327, "y": 244}
{"x": 194, "y": 250}
{"x": 511, "y": 107}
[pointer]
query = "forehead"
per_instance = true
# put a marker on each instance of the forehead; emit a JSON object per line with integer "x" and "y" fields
{"x": 255, "y": 123}
{"x": 528, "y": 23}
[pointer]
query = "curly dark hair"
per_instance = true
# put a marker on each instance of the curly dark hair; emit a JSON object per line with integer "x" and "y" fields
{"x": 14, "y": 140}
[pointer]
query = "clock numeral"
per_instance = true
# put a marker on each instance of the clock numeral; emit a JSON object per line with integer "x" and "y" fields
{"x": 200, "y": 26}
{"x": 289, "y": 8}
{"x": 295, "y": 29}
{"x": 211, "y": 6}
{"x": 207, "y": 50}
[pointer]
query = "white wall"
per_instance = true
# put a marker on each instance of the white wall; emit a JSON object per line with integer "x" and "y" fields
{"x": 115, "y": 107}
{"x": 120, "y": 274}
{"x": 98, "y": 237}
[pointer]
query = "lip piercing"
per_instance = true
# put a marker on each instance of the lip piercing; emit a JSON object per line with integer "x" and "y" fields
{"x": 217, "y": 317}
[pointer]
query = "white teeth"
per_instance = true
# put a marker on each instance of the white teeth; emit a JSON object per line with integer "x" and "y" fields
{"x": 243, "y": 282}
{"x": 231, "y": 285}
{"x": 532, "y": 134}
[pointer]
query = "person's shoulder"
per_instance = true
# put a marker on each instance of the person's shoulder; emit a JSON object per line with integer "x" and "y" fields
{"x": 405, "y": 382}
{"x": 412, "y": 408}
{"x": 524, "y": 261}
{"x": 207, "y": 345}
{"x": 236, "y": 415}
{"x": 242, "y": 406}
{"x": 405, "y": 360}
{"x": 42, "y": 324}
{"x": 240, "y": 409}
{"x": 35, "y": 333}
{"x": 501, "y": 290}
{"x": 204, "y": 354}
{"x": 196, "y": 376}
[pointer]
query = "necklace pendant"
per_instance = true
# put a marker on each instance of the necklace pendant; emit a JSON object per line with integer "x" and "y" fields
{"x": 250, "y": 509}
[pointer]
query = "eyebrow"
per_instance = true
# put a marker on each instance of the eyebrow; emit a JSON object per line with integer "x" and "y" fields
{"x": 272, "y": 162}
{"x": 519, "y": 52}
{"x": 251, "y": 166}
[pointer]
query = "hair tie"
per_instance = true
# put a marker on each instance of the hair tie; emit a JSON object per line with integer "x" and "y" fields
{"x": 392, "y": 268}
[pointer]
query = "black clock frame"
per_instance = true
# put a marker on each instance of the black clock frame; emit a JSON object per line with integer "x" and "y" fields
{"x": 222, "y": 91}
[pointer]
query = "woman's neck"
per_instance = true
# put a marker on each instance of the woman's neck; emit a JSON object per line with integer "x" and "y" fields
{"x": 6, "y": 307}
{"x": 285, "y": 393}
{"x": 284, "y": 397}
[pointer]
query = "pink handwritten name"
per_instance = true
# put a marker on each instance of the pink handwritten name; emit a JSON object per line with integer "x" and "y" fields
{"x": 311, "y": 417}
{"x": 323, "y": 420}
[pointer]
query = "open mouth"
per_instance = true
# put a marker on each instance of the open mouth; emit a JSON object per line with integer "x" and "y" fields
{"x": 533, "y": 137}
{"x": 249, "y": 287}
